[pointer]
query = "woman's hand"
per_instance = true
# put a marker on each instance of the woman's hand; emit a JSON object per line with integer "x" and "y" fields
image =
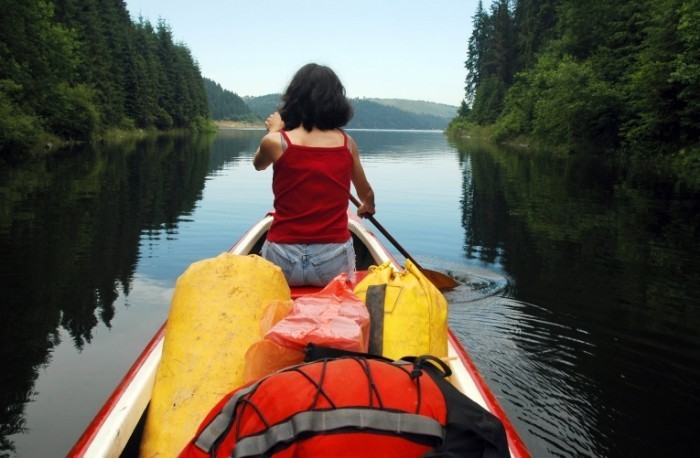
{"x": 274, "y": 122}
{"x": 365, "y": 208}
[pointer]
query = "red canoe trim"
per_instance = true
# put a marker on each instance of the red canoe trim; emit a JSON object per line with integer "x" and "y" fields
{"x": 517, "y": 446}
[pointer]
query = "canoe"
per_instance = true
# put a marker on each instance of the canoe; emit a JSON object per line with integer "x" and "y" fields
{"x": 116, "y": 429}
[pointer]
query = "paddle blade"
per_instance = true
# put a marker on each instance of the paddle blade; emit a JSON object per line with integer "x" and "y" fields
{"x": 441, "y": 281}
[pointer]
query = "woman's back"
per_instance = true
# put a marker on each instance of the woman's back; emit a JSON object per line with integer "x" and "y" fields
{"x": 311, "y": 185}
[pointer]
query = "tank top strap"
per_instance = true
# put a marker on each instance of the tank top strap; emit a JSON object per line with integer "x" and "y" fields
{"x": 285, "y": 140}
{"x": 345, "y": 140}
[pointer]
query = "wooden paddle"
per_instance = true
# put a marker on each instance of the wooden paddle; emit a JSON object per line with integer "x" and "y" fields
{"x": 441, "y": 281}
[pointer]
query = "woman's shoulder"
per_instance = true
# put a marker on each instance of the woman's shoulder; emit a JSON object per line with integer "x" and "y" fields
{"x": 272, "y": 138}
{"x": 351, "y": 141}
{"x": 273, "y": 143}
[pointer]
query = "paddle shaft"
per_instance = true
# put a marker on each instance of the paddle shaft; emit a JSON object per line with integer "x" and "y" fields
{"x": 386, "y": 233}
{"x": 440, "y": 280}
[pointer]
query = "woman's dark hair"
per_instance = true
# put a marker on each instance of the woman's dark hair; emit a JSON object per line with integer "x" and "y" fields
{"x": 315, "y": 98}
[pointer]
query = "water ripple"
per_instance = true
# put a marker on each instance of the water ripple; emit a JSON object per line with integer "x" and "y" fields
{"x": 530, "y": 362}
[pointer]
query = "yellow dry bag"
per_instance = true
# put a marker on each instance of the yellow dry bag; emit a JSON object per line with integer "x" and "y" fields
{"x": 214, "y": 317}
{"x": 415, "y": 311}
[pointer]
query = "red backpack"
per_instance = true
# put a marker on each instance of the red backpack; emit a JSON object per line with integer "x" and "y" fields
{"x": 349, "y": 406}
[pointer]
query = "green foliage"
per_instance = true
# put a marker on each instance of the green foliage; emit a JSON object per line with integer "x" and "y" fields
{"x": 489, "y": 100}
{"x": 373, "y": 115}
{"x": 224, "y": 104}
{"x": 588, "y": 75}
{"x": 652, "y": 95}
{"x": 464, "y": 110}
{"x": 490, "y": 61}
{"x": 264, "y": 105}
{"x": 75, "y": 116}
{"x": 76, "y": 69}
{"x": 518, "y": 110}
{"x": 163, "y": 120}
{"x": 202, "y": 124}
{"x": 574, "y": 109}
{"x": 18, "y": 130}
{"x": 463, "y": 127}
{"x": 688, "y": 62}
{"x": 475, "y": 53}
{"x": 687, "y": 68}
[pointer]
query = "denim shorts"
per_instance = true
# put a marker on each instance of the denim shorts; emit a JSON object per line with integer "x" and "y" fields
{"x": 313, "y": 264}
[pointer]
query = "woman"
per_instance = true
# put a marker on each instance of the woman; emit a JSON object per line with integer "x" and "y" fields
{"x": 314, "y": 161}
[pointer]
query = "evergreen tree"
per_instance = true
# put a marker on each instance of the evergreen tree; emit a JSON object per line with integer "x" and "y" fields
{"x": 653, "y": 96}
{"x": 686, "y": 72}
{"x": 584, "y": 74}
{"x": 476, "y": 52}
{"x": 142, "y": 105}
{"x": 73, "y": 68}
{"x": 533, "y": 24}
{"x": 225, "y": 105}
{"x": 490, "y": 63}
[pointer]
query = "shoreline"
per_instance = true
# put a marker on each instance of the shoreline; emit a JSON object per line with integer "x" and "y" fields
{"x": 239, "y": 125}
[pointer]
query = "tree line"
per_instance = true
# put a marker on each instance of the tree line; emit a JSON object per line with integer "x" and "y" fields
{"x": 226, "y": 105}
{"x": 74, "y": 69}
{"x": 582, "y": 75}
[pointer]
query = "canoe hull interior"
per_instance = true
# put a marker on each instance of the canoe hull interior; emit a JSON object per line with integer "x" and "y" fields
{"x": 118, "y": 427}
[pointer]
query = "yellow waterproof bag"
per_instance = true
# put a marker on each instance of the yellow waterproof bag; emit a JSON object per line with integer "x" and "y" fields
{"x": 415, "y": 311}
{"x": 214, "y": 317}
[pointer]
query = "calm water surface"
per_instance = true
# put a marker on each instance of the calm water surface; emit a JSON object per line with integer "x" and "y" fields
{"x": 580, "y": 280}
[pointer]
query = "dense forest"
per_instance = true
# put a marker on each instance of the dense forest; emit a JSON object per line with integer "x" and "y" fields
{"x": 262, "y": 106}
{"x": 74, "y": 69}
{"x": 586, "y": 75}
{"x": 226, "y": 105}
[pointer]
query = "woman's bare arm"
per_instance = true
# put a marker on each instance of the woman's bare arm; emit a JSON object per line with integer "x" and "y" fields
{"x": 359, "y": 180}
{"x": 270, "y": 148}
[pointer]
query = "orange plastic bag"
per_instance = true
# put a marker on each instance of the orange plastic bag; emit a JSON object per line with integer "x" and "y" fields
{"x": 275, "y": 311}
{"x": 264, "y": 356}
{"x": 333, "y": 317}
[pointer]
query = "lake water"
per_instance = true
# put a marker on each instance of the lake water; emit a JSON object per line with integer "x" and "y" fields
{"x": 579, "y": 302}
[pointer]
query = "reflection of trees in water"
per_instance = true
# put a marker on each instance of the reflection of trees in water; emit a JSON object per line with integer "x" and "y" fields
{"x": 483, "y": 209}
{"x": 610, "y": 258}
{"x": 232, "y": 145}
{"x": 580, "y": 219}
{"x": 70, "y": 228}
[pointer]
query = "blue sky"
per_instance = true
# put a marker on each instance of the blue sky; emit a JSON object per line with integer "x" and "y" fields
{"x": 382, "y": 48}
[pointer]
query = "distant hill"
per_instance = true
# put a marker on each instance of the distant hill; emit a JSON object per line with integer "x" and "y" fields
{"x": 377, "y": 113}
{"x": 373, "y": 115}
{"x": 263, "y": 105}
{"x": 419, "y": 107}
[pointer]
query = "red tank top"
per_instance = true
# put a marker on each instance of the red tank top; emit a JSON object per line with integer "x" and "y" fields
{"x": 311, "y": 186}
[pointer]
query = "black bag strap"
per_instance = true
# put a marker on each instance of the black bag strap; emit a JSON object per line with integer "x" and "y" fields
{"x": 423, "y": 362}
{"x": 314, "y": 352}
